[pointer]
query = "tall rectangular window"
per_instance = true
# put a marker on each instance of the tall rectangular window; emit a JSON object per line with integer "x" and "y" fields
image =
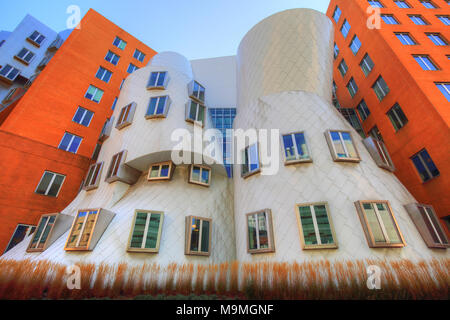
{"x": 250, "y": 161}
{"x": 379, "y": 153}
{"x": 397, "y": 117}
{"x": 337, "y": 14}
{"x": 425, "y": 62}
{"x": 363, "y": 110}
{"x": 9, "y": 72}
{"x": 315, "y": 226}
{"x": 195, "y": 113}
{"x": 132, "y": 68}
{"x": 115, "y": 164}
{"x": 94, "y": 94}
{"x": 119, "y": 43}
{"x": 295, "y": 148}
{"x": 444, "y": 19}
{"x": 428, "y": 4}
{"x": 158, "y": 80}
{"x": 379, "y": 224}
{"x": 343, "y": 68}
{"x": 376, "y": 4}
{"x": 367, "y": 64}
{"x": 50, "y": 184}
{"x": 112, "y": 58}
{"x": 375, "y": 133}
{"x": 25, "y": 56}
{"x": 198, "y": 236}
{"x": 355, "y": 45}
{"x": 158, "y": 107}
{"x": 402, "y": 4}
{"x": 146, "y": 231}
{"x": 437, "y": 39}
{"x": 197, "y": 91}
{"x": 345, "y": 29}
{"x": 260, "y": 232}
{"x": 92, "y": 180}
{"x": 138, "y": 55}
{"x": 342, "y": 147}
{"x": 103, "y": 74}
{"x": 381, "y": 89}
{"x": 389, "y": 19}
{"x": 336, "y": 51}
{"x": 83, "y": 116}
{"x": 444, "y": 87}
{"x": 82, "y": 230}
{"x": 405, "y": 38}
{"x": 126, "y": 116}
{"x": 114, "y": 103}
{"x": 418, "y": 19}
{"x": 43, "y": 230}
{"x": 352, "y": 87}
{"x": 70, "y": 142}
{"x": 425, "y": 165}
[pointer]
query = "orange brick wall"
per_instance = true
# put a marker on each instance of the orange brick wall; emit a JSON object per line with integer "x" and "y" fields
{"x": 426, "y": 108}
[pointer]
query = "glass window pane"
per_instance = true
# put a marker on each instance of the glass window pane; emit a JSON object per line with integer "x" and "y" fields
{"x": 46, "y": 232}
{"x": 138, "y": 231}
{"x": 309, "y": 233}
{"x": 87, "y": 118}
{"x": 252, "y": 232}
{"x": 54, "y": 189}
{"x": 429, "y": 225}
{"x": 205, "y": 236}
{"x": 201, "y": 114}
{"x": 302, "y": 149}
{"x": 349, "y": 145}
{"x": 372, "y": 220}
{"x": 161, "y": 104}
{"x": 154, "y": 172}
{"x": 195, "y": 234}
{"x": 338, "y": 146}
{"x": 39, "y": 231}
{"x": 88, "y": 228}
{"x": 75, "y": 144}
{"x": 421, "y": 168}
{"x": 153, "y": 78}
{"x": 195, "y": 174}
{"x": 45, "y": 181}
{"x": 64, "y": 145}
{"x": 263, "y": 232}
{"x": 165, "y": 170}
{"x": 193, "y": 111}
{"x": 162, "y": 77}
{"x": 289, "y": 147}
{"x": 429, "y": 163}
{"x": 388, "y": 223}
{"x": 205, "y": 176}
{"x": 437, "y": 225}
{"x": 254, "y": 157}
{"x": 153, "y": 230}
{"x": 152, "y": 106}
{"x": 326, "y": 236}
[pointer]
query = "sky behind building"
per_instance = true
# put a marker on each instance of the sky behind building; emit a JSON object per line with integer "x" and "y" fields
{"x": 194, "y": 28}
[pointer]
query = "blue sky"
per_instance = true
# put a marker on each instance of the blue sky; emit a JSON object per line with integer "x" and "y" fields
{"x": 195, "y": 28}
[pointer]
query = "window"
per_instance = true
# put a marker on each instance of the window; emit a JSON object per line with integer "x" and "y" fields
{"x": 70, "y": 142}
{"x": 121, "y": 84}
{"x": 376, "y": 4}
{"x": 425, "y": 62}
{"x": 197, "y": 91}
{"x": 50, "y": 184}
{"x": 158, "y": 107}
{"x": 10, "y": 95}
{"x": 119, "y": 43}
{"x": 146, "y": 232}
{"x": 389, "y": 19}
{"x": 115, "y": 164}
{"x": 380, "y": 87}
{"x": 379, "y": 224}
{"x": 337, "y": 14}
{"x": 50, "y": 228}
{"x": 355, "y": 45}
{"x": 92, "y": 180}
{"x": 200, "y": 175}
{"x": 363, "y": 110}
{"x": 343, "y": 68}
{"x": 139, "y": 55}
{"x": 260, "y": 232}
{"x": 425, "y": 165}
{"x": 195, "y": 113}
{"x": 397, "y": 117}
{"x": 161, "y": 171}
{"x": 36, "y": 38}
{"x": 96, "y": 152}
{"x": 106, "y": 130}
{"x": 114, "y": 103}
{"x": 352, "y": 87}
{"x": 345, "y": 29}
{"x": 25, "y": 56}
{"x": 295, "y": 148}
{"x": 126, "y": 116}
{"x": 379, "y": 153}
{"x": 198, "y": 236}
{"x": 316, "y": 229}
{"x": 445, "y": 89}
{"x": 119, "y": 171}
{"x": 366, "y": 64}
{"x": 405, "y": 38}
{"x": 10, "y": 73}
{"x": 112, "y": 58}
{"x": 445, "y": 20}
{"x": 103, "y": 74}
{"x": 87, "y": 228}
{"x": 418, "y": 19}
{"x": 132, "y": 68}
{"x": 375, "y": 133}
{"x": 83, "y": 116}
{"x": 428, "y": 4}
{"x": 437, "y": 39}
{"x": 94, "y": 94}
{"x": 341, "y": 146}
{"x": 250, "y": 161}
{"x": 336, "y": 51}
{"x": 402, "y": 4}
{"x": 428, "y": 224}
{"x": 21, "y": 232}
{"x": 158, "y": 80}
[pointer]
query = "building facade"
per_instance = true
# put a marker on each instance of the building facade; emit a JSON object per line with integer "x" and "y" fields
{"x": 50, "y": 132}
{"x": 325, "y": 193}
{"x": 397, "y": 78}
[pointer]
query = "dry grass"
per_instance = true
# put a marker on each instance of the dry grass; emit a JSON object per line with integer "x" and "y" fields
{"x": 401, "y": 279}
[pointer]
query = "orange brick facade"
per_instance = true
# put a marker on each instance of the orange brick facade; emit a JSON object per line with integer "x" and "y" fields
{"x": 414, "y": 89}
{"x": 31, "y": 129}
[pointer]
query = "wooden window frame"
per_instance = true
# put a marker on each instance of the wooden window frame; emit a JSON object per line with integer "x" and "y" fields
{"x": 84, "y": 248}
{"x": 333, "y": 149}
{"x": 160, "y": 165}
{"x": 90, "y": 182}
{"x": 297, "y": 155}
{"x": 133, "y": 226}
{"x": 270, "y": 233}
{"x": 318, "y": 246}
{"x": 202, "y": 167}
{"x": 257, "y": 170}
{"x": 188, "y": 237}
{"x": 126, "y": 116}
{"x": 29, "y": 248}
{"x": 367, "y": 228}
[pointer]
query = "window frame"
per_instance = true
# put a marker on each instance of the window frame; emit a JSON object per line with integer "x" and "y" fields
{"x": 379, "y": 153}
{"x": 106, "y": 74}
{"x": 355, "y": 40}
{"x": 403, "y": 34}
{"x": 69, "y": 145}
{"x": 439, "y": 36}
{"x": 378, "y": 85}
{"x": 34, "y": 41}
{"x": 156, "y": 86}
{"x": 403, "y": 2}
{"x": 197, "y": 113}
{"x": 113, "y": 55}
{"x": 363, "y": 110}
{"x": 121, "y": 41}
{"x": 426, "y": 61}
{"x": 392, "y": 112}
{"x": 12, "y": 69}
{"x": 191, "y": 91}
{"x": 133, "y": 226}
{"x": 117, "y": 160}
{"x": 156, "y": 115}
{"x": 367, "y": 65}
{"x": 270, "y": 233}
{"x": 418, "y": 17}
{"x": 445, "y": 86}
{"x": 139, "y": 54}
{"x": 423, "y": 162}
{"x": 93, "y": 182}
{"x": 433, "y": 5}
{"x": 334, "y": 245}
{"x": 379, "y": 4}
{"x": 391, "y": 18}
{"x": 347, "y": 30}
{"x": 250, "y": 172}
{"x": 333, "y": 149}
{"x": 84, "y": 248}
{"x": 85, "y": 113}
{"x": 35, "y": 249}
{"x": 202, "y": 167}
{"x": 188, "y": 237}
{"x": 161, "y": 164}
{"x": 368, "y": 229}
{"x": 343, "y": 71}
{"x": 336, "y": 10}
{"x": 354, "y": 87}
{"x": 126, "y": 116}
{"x": 22, "y": 59}
{"x": 444, "y": 18}
{"x": 96, "y": 90}
{"x": 297, "y": 155}
{"x": 52, "y": 180}
{"x": 132, "y": 66}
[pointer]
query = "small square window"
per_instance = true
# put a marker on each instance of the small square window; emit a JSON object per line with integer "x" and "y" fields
{"x": 158, "y": 81}
{"x": 196, "y": 91}
{"x": 355, "y": 45}
{"x": 161, "y": 171}
{"x": 405, "y": 38}
{"x": 336, "y": 51}
{"x": 132, "y": 68}
{"x": 418, "y": 19}
{"x": 444, "y": 19}
{"x": 316, "y": 227}
{"x": 94, "y": 94}
{"x": 341, "y": 146}
{"x": 92, "y": 180}
{"x": 425, "y": 165}
{"x": 146, "y": 231}
{"x": 295, "y": 148}
{"x": 251, "y": 164}
{"x": 397, "y": 117}
{"x": 106, "y": 130}
{"x": 437, "y": 39}
{"x": 112, "y": 58}
{"x": 50, "y": 184}
{"x": 376, "y": 4}
{"x": 9, "y": 73}
{"x": 375, "y": 133}
{"x": 345, "y": 29}
{"x": 260, "y": 232}
{"x": 158, "y": 107}
{"x": 138, "y": 55}
{"x": 367, "y": 65}
{"x": 70, "y": 142}
{"x": 195, "y": 113}
{"x": 198, "y": 236}
{"x": 380, "y": 88}
{"x": 21, "y": 232}
{"x": 25, "y": 56}
{"x": 428, "y": 4}
{"x": 119, "y": 43}
{"x": 200, "y": 175}
{"x": 389, "y": 19}
{"x": 425, "y": 62}
{"x": 402, "y": 4}
{"x": 337, "y": 14}
{"x": 126, "y": 116}
{"x": 49, "y": 229}
{"x": 36, "y": 39}
{"x": 83, "y": 116}
{"x": 379, "y": 224}
{"x": 103, "y": 74}
{"x": 115, "y": 164}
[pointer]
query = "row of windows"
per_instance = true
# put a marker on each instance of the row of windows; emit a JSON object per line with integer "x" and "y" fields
{"x": 415, "y": 18}
{"x": 314, "y": 222}
{"x": 404, "y": 4}
{"x": 119, "y": 43}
